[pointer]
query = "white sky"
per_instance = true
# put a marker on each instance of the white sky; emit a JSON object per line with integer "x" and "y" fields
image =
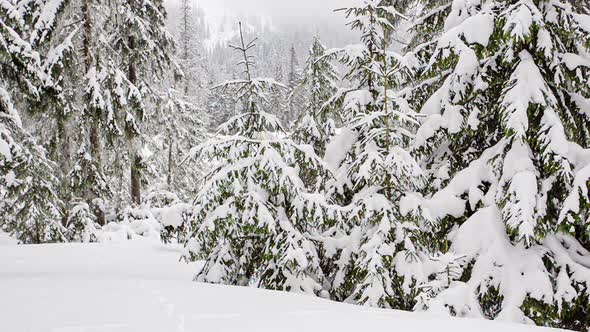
{"x": 280, "y": 9}
{"x": 312, "y": 13}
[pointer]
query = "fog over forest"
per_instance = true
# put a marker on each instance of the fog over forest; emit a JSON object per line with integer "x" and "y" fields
{"x": 291, "y": 17}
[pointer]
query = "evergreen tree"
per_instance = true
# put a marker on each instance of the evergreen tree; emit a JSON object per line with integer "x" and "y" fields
{"x": 177, "y": 126}
{"x": 28, "y": 201}
{"x": 189, "y": 48}
{"x": 295, "y": 100}
{"x": 55, "y": 103}
{"x": 145, "y": 43}
{"x": 87, "y": 178}
{"x": 506, "y": 141}
{"x": 377, "y": 240}
{"x": 278, "y": 97}
{"x": 253, "y": 211}
{"x": 316, "y": 126}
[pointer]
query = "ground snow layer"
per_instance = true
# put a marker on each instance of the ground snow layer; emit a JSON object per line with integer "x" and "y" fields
{"x": 140, "y": 286}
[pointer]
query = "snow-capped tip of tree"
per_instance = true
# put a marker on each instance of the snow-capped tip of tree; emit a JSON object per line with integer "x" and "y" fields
{"x": 190, "y": 50}
{"x": 317, "y": 124}
{"x": 320, "y": 82}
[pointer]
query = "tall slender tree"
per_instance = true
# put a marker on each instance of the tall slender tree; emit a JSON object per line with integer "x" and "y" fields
{"x": 376, "y": 171}
{"x": 189, "y": 48}
{"x": 295, "y": 96}
{"x": 144, "y": 40}
{"x": 29, "y": 204}
{"x": 316, "y": 126}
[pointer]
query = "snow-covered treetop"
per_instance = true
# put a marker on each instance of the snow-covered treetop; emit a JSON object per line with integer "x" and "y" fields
{"x": 252, "y": 92}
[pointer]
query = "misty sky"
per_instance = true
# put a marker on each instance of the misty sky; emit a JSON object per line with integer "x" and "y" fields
{"x": 308, "y": 11}
{"x": 312, "y": 13}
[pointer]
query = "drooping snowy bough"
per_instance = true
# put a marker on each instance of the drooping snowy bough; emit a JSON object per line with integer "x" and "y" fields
{"x": 253, "y": 212}
{"x": 505, "y": 88}
{"x": 28, "y": 204}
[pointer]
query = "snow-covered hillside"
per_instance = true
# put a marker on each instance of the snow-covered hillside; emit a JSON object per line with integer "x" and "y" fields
{"x": 141, "y": 286}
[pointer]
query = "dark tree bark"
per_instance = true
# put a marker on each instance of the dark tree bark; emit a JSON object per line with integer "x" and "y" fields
{"x": 171, "y": 162}
{"x": 136, "y": 161}
{"x": 582, "y": 6}
{"x": 64, "y": 157}
{"x": 95, "y": 141}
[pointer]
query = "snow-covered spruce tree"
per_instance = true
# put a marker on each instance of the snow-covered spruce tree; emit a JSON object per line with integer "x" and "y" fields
{"x": 376, "y": 242}
{"x": 28, "y": 202}
{"x": 87, "y": 179}
{"x": 189, "y": 48}
{"x": 221, "y": 106}
{"x": 142, "y": 38}
{"x": 505, "y": 88}
{"x": 177, "y": 126}
{"x": 253, "y": 211}
{"x": 295, "y": 96}
{"x": 278, "y": 98}
{"x": 54, "y": 103}
{"x": 316, "y": 125}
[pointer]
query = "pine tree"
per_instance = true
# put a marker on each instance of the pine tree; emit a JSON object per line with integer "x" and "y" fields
{"x": 253, "y": 211}
{"x": 316, "y": 126}
{"x": 143, "y": 39}
{"x": 56, "y": 100}
{"x": 378, "y": 241}
{"x": 189, "y": 47}
{"x": 506, "y": 142}
{"x": 278, "y": 97}
{"x": 221, "y": 106}
{"x": 28, "y": 202}
{"x": 87, "y": 178}
{"x": 295, "y": 99}
{"x": 177, "y": 126}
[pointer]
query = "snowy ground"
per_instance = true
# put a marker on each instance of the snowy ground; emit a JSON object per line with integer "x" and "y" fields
{"x": 5, "y": 239}
{"x": 140, "y": 286}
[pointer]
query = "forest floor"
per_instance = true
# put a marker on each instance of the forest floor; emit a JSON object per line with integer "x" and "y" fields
{"x": 140, "y": 286}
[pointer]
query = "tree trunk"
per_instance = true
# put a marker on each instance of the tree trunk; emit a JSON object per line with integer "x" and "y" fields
{"x": 95, "y": 147}
{"x": 65, "y": 153}
{"x": 136, "y": 161}
{"x": 65, "y": 156}
{"x": 185, "y": 42}
{"x": 136, "y": 179}
{"x": 95, "y": 141}
{"x": 582, "y": 6}
{"x": 170, "y": 162}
